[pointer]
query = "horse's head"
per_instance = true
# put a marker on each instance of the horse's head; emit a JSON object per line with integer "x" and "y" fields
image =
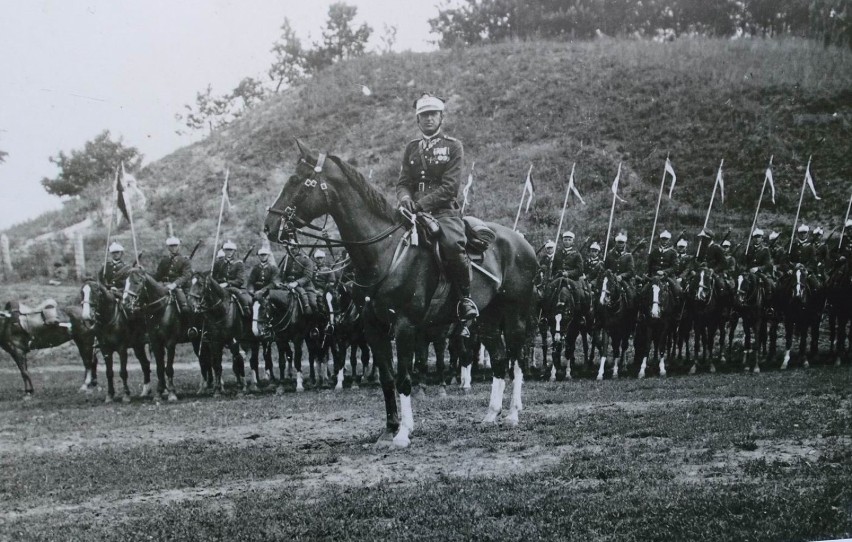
{"x": 94, "y": 298}
{"x": 746, "y": 288}
{"x": 608, "y": 288}
{"x": 204, "y": 294}
{"x": 135, "y": 286}
{"x": 800, "y": 285}
{"x": 659, "y": 296}
{"x": 702, "y": 284}
{"x": 260, "y": 317}
{"x": 305, "y": 196}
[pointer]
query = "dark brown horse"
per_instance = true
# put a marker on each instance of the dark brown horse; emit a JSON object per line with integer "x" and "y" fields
{"x": 115, "y": 333}
{"x": 22, "y": 331}
{"x": 657, "y": 309}
{"x": 566, "y": 309}
{"x": 615, "y": 315}
{"x": 402, "y": 280}
{"x": 750, "y": 298}
{"x": 706, "y": 311}
{"x": 166, "y": 327}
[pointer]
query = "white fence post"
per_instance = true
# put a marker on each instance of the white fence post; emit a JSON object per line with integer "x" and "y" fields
{"x": 6, "y": 256}
{"x": 79, "y": 256}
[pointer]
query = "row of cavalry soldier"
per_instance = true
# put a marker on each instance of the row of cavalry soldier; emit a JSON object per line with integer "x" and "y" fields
{"x": 701, "y": 296}
{"x": 307, "y": 301}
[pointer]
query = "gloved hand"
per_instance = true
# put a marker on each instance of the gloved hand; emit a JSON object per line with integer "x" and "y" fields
{"x": 753, "y": 269}
{"x": 661, "y": 273}
{"x": 292, "y": 285}
{"x": 223, "y": 284}
{"x": 409, "y": 205}
{"x": 565, "y": 274}
{"x": 171, "y": 286}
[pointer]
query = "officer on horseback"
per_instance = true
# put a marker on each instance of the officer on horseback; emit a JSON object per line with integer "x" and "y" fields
{"x": 713, "y": 256}
{"x": 429, "y": 181}
{"x": 229, "y": 272}
{"x": 663, "y": 262}
{"x": 114, "y": 272}
{"x": 174, "y": 271}
{"x": 264, "y": 276}
{"x": 619, "y": 260}
{"x": 776, "y": 250}
{"x": 324, "y": 278}
{"x": 802, "y": 252}
{"x": 731, "y": 262}
{"x": 683, "y": 265}
{"x": 820, "y": 250}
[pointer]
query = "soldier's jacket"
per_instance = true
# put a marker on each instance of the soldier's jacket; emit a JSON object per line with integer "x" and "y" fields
{"x": 300, "y": 269}
{"x": 569, "y": 260}
{"x": 263, "y": 275}
{"x": 620, "y": 263}
{"x": 683, "y": 264}
{"x": 778, "y": 254}
{"x": 174, "y": 268}
{"x": 803, "y": 253}
{"x": 230, "y": 271}
{"x": 431, "y": 174}
{"x": 713, "y": 256}
{"x": 759, "y": 257}
{"x": 114, "y": 274}
{"x": 593, "y": 268}
{"x": 731, "y": 262}
{"x": 662, "y": 259}
{"x": 324, "y": 277}
{"x": 821, "y": 253}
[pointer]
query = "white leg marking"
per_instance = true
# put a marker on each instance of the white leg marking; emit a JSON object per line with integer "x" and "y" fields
{"x": 786, "y": 359}
{"x": 601, "y": 369}
{"x": 662, "y": 366}
{"x": 643, "y": 367}
{"x": 299, "y": 386}
{"x": 495, "y": 404}
{"x": 339, "y": 385}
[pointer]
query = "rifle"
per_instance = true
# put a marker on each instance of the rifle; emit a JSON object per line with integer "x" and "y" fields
{"x": 195, "y": 248}
{"x": 639, "y": 246}
{"x": 250, "y": 250}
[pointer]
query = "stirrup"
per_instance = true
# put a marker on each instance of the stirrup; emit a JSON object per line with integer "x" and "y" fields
{"x": 466, "y": 309}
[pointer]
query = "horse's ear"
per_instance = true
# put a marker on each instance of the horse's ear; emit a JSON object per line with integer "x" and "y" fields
{"x": 302, "y": 150}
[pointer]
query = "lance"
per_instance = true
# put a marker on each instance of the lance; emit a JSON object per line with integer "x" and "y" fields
{"x": 845, "y": 220}
{"x": 799, "y": 208}
{"x": 657, "y": 213}
{"x": 195, "y": 248}
{"x": 712, "y": 197}
{"x": 112, "y": 217}
{"x": 219, "y": 225}
{"x": 611, "y": 214}
{"x": 757, "y": 210}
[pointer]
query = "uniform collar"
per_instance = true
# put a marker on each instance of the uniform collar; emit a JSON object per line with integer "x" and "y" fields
{"x": 428, "y": 139}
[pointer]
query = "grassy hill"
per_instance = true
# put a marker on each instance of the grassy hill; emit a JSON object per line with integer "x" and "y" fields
{"x": 550, "y": 104}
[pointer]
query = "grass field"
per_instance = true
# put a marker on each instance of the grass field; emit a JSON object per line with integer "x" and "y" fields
{"x": 712, "y": 457}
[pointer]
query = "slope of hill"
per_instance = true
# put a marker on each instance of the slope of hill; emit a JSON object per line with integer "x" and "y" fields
{"x": 549, "y": 104}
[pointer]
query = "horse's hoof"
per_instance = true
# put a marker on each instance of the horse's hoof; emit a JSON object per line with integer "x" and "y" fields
{"x": 806, "y": 365}
{"x": 146, "y": 391}
{"x": 83, "y": 389}
{"x": 837, "y": 362}
{"x": 490, "y": 417}
{"x": 300, "y": 389}
{"x": 757, "y": 370}
{"x": 108, "y": 399}
{"x": 662, "y": 374}
{"x": 385, "y": 440}
{"x": 512, "y": 419}
{"x": 355, "y": 386}
{"x": 401, "y": 441}
{"x": 466, "y": 390}
{"x": 599, "y": 378}
{"x": 692, "y": 370}
{"x": 90, "y": 390}
{"x": 172, "y": 397}
{"x": 454, "y": 381}
{"x": 442, "y": 392}
{"x": 252, "y": 388}
{"x": 713, "y": 368}
{"x": 125, "y": 398}
{"x": 279, "y": 390}
{"x": 28, "y": 396}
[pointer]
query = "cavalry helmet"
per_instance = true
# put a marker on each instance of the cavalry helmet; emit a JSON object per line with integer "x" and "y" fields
{"x": 426, "y": 103}
{"x": 726, "y": 243}
{"x": 803, "y": 229}
{"x": 849, "y": 223}
{"x": 665, "y": 234}
{"x": 320, "y": 253}
{"x": 550, "y": 244}
{"x": 264, "y": 250}
{"x": 116, "y": 247}
{"x": 682, "y": 242}
{"x": 706, "y": 232}
{"x": 220, "y": 254}
{"x": 172, "y": 241}
{"x": 568, "y": 234}
{"x": 229, "y": 245}
{"x": 757, "y": 233}
{"x": 595, "y": 246}
{"x": 773, "y": 235}
{"x": 818, "y": 231}
{"x": 621, "y": 237}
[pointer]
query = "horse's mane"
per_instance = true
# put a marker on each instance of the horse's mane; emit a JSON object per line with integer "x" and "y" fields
{"x": 375, "y": 200}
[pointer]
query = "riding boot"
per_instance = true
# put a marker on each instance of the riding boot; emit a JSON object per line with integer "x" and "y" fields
{"x": 459, "y": 274}
{"x": 308, "y": 304}
{"x": 180, "y": 296}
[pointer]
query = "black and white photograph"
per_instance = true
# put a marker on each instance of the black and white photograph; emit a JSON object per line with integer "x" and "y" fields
{"x": 447, "y": 270}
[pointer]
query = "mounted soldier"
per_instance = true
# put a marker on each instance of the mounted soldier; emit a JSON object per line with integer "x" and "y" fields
{"x": 620, "y": 260}
{"x": 429, "y": 181}
{"x": 568, "y": 262}
{"x": 593, "y": 264}
{"x": 324, "y": 278}
{"x": 802, "y": 253}
{"x": 821, "y": 251}
{"x": 712, "y": 255}
{"x": 545, "y": 264}
{"x": 776, "y": 250}
{"x": 731, "y": 262}
{"x": 685, "y": 261}
{"x": 758, "y": 260}
{"x": 264, "y": 276}
{"x": 174, "y": 271}
{"x": 663, "y": 261}
{"x": 229, "y": 272}
{"x": 298, "y": 276}
{"x": 114, "y": 272}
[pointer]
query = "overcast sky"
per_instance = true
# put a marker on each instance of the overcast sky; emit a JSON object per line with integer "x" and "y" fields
{"x": 70, "y": 69}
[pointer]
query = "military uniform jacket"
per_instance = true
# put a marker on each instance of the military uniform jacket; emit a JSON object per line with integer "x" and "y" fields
{"x": 803, "y": 253}
{"x": 324, "y": 278}
{"x": 593, "y": 268}
{"x": 759, "y": 257}
{"x": 545, "y": 266}
{"x": 431, "y": 174}
{"x": 570, "y": 260}
{"x": 683, "y": 263}
{"x": 778, "y": 254}
{"x": 175, "y": 269}
{"x": 662, "y": 259}
{"x": 230, "y": 271}
{"x": 619, "y": 263}
{"x": 731, "y": 262}
{"x": 713, "y": 256}
{"x": 114, "y": 274}
{"x": 263, "y": 275}
{"x": 300, "y": 269}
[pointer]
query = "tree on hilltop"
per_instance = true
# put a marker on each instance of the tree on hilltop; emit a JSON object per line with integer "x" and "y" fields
{"x": 94, "y": 164}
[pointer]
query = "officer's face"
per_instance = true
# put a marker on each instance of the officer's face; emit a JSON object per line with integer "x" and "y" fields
{"x": 229, "y": 253}
{"x": 430, "y": 121}
{"x": 319, "y": 260}
{"x": 758, "y": 241}
{"x": 594, "y": 253}
{"x": 549, "y": 251}
{"x": 620, "y": 245}
{"x": 803, "y": 236}
{"x": 117, "y": 255}
{"x": 568, "y": 241}
{"x": 665, "y": 242}
{"x": 263, "y": 258}
{"x": 173, "y": 249}
{"x": 681, "y": 249}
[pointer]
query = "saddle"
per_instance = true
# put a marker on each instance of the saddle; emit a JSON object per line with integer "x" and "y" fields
{"x": 478, "y": 236}
{"x": 32, "y": 319}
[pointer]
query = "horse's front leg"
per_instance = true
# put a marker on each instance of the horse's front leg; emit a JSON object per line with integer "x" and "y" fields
{"x": 107, "y": 353}
{"x": 382, "y": 349}
{"x": 145, "y": 364}
{"x": 170, "y": 371}
{"x": 405, "y": 349}
{"x": 122, "y": 371}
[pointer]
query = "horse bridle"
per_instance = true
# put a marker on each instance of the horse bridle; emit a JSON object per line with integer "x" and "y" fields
{"x": 152, "y": 306}
{"x": 94, "y": 306}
